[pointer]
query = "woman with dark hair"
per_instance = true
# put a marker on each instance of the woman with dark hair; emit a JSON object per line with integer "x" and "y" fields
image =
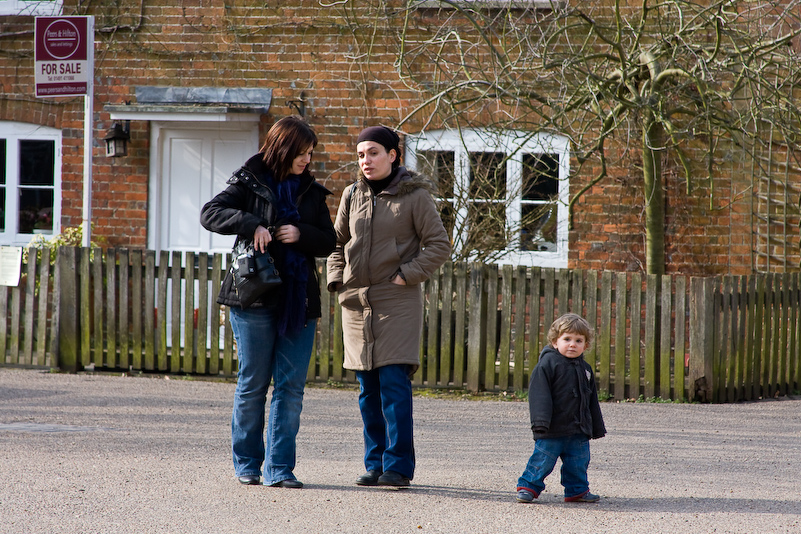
{"x": 274, "y": 202}
{"x": 390, "y": 239}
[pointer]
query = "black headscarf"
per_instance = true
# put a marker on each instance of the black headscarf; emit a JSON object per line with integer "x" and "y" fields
{"x": 385, "y": 137}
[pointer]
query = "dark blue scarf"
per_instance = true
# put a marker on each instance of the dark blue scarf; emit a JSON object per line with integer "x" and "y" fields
{"x": 291, "y": 263}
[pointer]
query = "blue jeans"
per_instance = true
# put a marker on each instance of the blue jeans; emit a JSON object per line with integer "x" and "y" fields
{"x": 575, "y": 454}
{"x": 265, "y": 356}
{"x": 385, "y": 401}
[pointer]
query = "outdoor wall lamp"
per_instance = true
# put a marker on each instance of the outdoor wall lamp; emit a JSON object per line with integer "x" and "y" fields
{"x": 117, "y": 140}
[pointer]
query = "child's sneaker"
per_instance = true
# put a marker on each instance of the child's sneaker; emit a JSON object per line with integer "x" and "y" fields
{"x": 584, "y": 497}
{"x": 525, "y": 496}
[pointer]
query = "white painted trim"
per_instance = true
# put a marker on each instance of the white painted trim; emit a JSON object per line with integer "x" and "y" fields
{"x": 14, "y": 132}
{"x": 511, "y": 142}
{"x": 186, "y": 116}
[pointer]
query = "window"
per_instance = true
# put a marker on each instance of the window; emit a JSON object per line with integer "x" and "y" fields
{"x": 30, "y": 7}
{"x": 30, "y": 182}
{"x": 502, "y": 195}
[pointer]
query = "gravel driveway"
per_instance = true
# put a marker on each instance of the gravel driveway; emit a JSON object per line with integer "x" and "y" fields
{"x": 114, "y": 454}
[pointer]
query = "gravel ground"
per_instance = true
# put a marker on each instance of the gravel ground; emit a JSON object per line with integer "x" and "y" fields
{"x": 114, "y": 454}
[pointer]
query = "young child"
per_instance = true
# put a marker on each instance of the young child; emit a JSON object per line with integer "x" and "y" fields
{"x": 565, "y": 413}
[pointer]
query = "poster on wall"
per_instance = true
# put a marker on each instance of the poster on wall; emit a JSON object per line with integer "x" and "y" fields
{"x": 63, "y": 55}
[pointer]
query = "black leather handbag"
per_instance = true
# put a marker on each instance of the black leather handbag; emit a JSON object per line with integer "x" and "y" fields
{"x": 254, "y": 273}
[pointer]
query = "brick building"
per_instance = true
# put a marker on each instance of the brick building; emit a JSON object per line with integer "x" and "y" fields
{"x": 199, "y": 83}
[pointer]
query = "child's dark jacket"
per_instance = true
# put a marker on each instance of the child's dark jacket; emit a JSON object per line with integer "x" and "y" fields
{"x": 563, "y": 398}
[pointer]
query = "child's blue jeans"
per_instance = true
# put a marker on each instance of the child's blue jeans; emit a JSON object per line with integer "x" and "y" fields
{"x": 575, "y": 454}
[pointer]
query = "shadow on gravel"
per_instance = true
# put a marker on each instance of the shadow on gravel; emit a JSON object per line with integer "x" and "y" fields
{"x": 471, "y": 494}
{"x": 703, "y": 505}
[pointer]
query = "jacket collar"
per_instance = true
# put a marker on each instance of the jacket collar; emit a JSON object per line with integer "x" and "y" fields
{"x": 256, "y": 175}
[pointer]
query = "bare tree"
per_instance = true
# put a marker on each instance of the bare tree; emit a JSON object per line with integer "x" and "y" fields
{"x": 684, "y": 79}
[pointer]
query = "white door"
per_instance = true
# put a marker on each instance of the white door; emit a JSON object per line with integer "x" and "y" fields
{"x": 190, "y": 165}
{"x": 195, "y": 163}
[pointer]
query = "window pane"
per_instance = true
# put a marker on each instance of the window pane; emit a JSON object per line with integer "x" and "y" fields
{"x": 487, "y": 175}
{"x": 448, "y": 215}
{"x": 538, "y": 227}
{"x": 540, "y": 176}
{"x": 439, "y": 166}
{"x": 35, "y": 210}
{"x": 37, "y": 163}
{"x": 2, "y": 185}
{"x": 3, "y": 163}
{"x": 486, "y": 226}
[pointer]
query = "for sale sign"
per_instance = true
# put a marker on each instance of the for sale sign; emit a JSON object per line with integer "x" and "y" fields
{"x": 63, "y": 54}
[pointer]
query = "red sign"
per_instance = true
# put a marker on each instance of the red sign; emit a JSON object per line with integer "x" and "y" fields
{"x": 63, "y": 55}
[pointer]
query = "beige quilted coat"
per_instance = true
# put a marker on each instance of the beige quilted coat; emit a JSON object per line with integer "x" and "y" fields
{"x": 376, "y": 235}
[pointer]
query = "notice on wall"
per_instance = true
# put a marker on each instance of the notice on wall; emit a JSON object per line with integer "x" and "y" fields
{"x": 10, "y": 266}
{"x": 63, "y": 55}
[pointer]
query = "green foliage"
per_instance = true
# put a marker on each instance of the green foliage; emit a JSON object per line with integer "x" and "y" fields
{"x": 603, "y": 395}
{"x": 70, "y": 237}
{"x": 658, "y": 400}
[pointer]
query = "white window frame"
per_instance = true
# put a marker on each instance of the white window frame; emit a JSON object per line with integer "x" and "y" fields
{"x": 515, "y": 144}
{"x": 13, "y": 133}
{"x": 30, "y": 7}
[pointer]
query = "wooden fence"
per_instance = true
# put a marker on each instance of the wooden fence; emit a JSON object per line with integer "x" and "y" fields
{"x": 711, "y": 339}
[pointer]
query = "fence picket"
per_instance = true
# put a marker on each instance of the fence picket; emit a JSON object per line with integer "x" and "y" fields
{"x": 521, "y": 282}
{"x": 535, "y": 332}
{"x": 324, "y": 327}
{"x": 148, "y": 314}
{"x": 620, "y": 337}
{"x": 563, "y": 287}
{"x": 110, "y": 269}
{"x": 478, "y": 311}
{"x": 84, "y": 311}
{"x": 665, "y": 332}
{"x": 215, "y": 315}
{"x": 189, "y": 312}
{"x": 505, "y": 341}
{"x": 202, "y": 325}
{"x": 679, "y": 351}
{"x": 432, "y": 355}
{"x": 7, "y": 357}
{"x": 604, "y": 353}
{"x": 651, "y": 337}
{"x": 161, "y": 310}
{"x": 175, "y": 315}
{"x": 490, "y": 280}
{"x": 229, "y": 368}
{"x": 123, "y": 303}
{"x": 44, "y": 298}
{"x": 446, "y": 326}
{"x": 592, "y": 313}
{"x": 783, "y": 376}
{"x": 773, "y": 364}
{"x": 30, "y": 293}
{"x": 795, "y": 326}
{"x": 136, "y": 309}
{"x": 97, "y": 306}
{"x": 635, "y": 352}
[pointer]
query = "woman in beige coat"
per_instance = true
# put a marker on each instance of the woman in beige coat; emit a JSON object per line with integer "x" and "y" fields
{"x": 390, "y": 238}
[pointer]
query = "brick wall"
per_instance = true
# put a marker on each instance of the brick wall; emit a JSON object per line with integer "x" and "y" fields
{"x": 304, "y": 51}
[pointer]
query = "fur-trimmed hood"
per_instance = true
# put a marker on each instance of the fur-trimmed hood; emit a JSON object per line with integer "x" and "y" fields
{"x": 406, "y": 181}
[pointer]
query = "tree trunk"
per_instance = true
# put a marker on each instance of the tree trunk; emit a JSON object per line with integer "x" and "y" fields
{"x": 654, "y": 196}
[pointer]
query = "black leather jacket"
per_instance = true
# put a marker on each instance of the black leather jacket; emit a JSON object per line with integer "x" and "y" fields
{"x": 563, "y": 397}
{"x": 247, "y": 203}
